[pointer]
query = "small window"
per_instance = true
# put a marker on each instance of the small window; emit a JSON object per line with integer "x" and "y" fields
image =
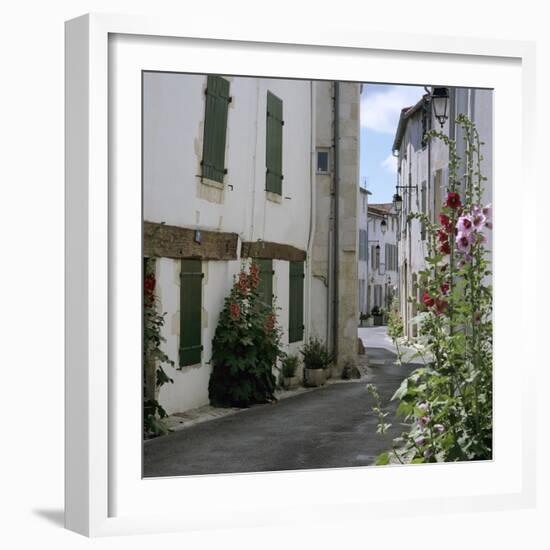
{"x": 322, "y": 161}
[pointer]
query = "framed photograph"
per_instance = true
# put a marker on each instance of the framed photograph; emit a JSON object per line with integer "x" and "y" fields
{"x": 287, "y": 283}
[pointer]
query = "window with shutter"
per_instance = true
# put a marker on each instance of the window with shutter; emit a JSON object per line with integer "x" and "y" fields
{"x": 190, "y": 312}
{"x": 215, "y": 128}
{"x": 265, "y": 286}
{"x": 296, "y": 302}
{"x": 274, "y": 144}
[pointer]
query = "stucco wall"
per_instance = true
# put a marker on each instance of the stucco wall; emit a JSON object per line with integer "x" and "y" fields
{"x": 172, "y": 193}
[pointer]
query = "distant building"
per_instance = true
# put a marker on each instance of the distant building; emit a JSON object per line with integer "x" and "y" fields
{"x": 423, "y": 172}
{"x": 363, "y": 254}
{"x": 383, "y": 255}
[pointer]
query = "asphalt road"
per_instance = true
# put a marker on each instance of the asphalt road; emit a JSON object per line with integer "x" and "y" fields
{"x": 326, "y": 428}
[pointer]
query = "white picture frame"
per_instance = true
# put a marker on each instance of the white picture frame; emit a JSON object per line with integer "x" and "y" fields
{"x": 103, "y": 498}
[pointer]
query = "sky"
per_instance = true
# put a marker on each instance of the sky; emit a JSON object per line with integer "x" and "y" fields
{"x": 380, "y": 109}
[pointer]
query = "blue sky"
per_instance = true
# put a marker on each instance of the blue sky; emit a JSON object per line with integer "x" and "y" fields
{"x": 380, "y": 109}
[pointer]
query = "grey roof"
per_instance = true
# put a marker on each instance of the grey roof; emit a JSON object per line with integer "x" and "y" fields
{"x": 406, "y": 113}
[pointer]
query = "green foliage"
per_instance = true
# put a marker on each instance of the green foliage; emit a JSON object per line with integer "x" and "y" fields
{"x": 246, "y": 347}
{"x": 315, "y": 354}
{"x": 289, "y": 365}
{"x": 395, "y": 323}
{"x": 448, "y": 402}
{"x": 153, "y": 356}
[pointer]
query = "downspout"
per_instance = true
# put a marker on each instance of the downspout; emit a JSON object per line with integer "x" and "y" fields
{"x": 312, "y": 205}
{"x": 336, "y": 266}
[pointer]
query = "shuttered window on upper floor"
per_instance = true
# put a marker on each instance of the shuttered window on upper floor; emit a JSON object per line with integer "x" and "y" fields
{"x": 296, "y": 302}
{"x": 190, "y": 346}
{"x": 215, "y": 128}
{"x": 274, "y": 144}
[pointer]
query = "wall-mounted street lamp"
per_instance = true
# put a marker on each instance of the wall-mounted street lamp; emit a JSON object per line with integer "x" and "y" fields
{"x": 439, "y": 98}
{"x": 397, "y": 202}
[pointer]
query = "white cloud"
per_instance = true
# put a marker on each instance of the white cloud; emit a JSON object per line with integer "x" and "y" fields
{"x": 380, "y": 110}
{"x": 389, "y": 164}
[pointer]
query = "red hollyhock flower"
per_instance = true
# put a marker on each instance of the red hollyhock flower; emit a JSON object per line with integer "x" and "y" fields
{"x": 442, "y": 237}
{"x": 254, "y": 276}
{"x": 453, "y": 200}
{"x": 428, "y": 300}
{"x": 445, "y": 288}
{"x": 243, "y": 282}
{"x": 445, "y": 248}
{"x": 235, "y": 310}
{"x": 441, "y": 306}
{"x": 149, "y": 283}
{"x": 445, "y": 221}
{"x": 270, "y": 323}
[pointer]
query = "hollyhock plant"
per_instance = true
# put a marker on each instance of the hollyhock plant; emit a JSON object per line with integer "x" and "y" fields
{"x": 246, "y": 347}
{"x": 454, "y": 327}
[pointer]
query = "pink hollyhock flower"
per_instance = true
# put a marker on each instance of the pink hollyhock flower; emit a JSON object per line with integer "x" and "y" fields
{"x": 464, "y": 242}
{"x": 439, "y": 428}
{"x": 464, "y": 224}
{"x": 489, "y": 225}
{"x": 420, "y": 441}
{"x": 453, "y": 200}
{"x": 428, "y": 453}
{"x": 423, "y": 407}
{"x": 487, "y": 211}
{"x": 423, "y": 420}
{"x": 478, "y": 220}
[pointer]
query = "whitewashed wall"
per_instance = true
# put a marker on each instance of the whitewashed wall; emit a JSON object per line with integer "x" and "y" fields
{"x": 172, "y": 193}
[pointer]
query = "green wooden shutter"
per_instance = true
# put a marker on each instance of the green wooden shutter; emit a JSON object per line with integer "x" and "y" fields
{"x": 296, "y": 302}
{"x": 265, "y": 287}
{"x": 215, "y": 128}
{"x": 274, "y": 144}
{"x": 190, "y": 312}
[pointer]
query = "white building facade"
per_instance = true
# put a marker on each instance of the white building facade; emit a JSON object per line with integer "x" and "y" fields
{"x": 363, "y": 255}
{"x": 423, "y": 172}
{"x": 231, "y": 173}
{"x": 383, "y": 256}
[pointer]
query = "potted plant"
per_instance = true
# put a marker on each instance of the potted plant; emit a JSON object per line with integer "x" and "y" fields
{"x": 288, "y": 371}
{"x": 362, "y": 317}
{"x": 316, "y": 362}
{"x": 370, "y": 320}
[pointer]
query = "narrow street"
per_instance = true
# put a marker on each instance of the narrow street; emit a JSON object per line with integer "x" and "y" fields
{"x": 326, "y": 428}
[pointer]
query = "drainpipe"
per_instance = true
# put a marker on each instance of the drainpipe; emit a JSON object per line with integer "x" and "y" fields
{"x": 336, "y": 270}
{"x": 312, "y": 206}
